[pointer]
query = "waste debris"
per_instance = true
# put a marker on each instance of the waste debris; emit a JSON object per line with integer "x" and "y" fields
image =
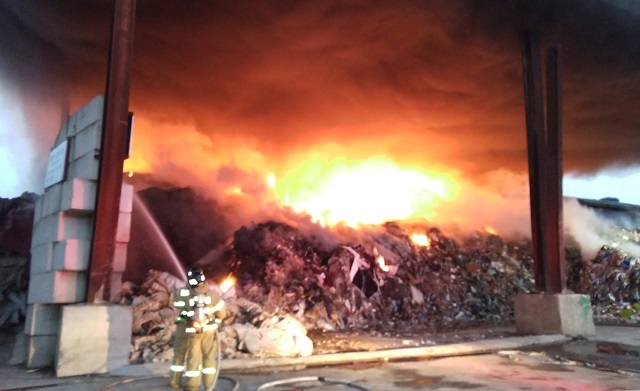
{"x": 395, "y": 280}
{"x": 247, "y": 331}
{"x": 153, "y": 325}
{"x": 16, "y": 224}
{"x": 611, "y": 278}
{"x": 387, "y": 281}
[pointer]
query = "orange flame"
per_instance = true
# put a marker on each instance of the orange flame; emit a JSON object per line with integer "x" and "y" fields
{"x": 227, "y": 283}
{"x": 363, "y": 192}
{"x": 490, "y": 230}
{"x": 382, "y": 264}
{"x": 421, "y": 240}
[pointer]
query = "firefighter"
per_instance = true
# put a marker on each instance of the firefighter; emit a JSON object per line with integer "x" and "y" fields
{"x": 201, "y": 311}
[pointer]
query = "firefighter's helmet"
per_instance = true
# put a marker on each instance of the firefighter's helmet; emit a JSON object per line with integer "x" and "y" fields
{"x": 195, "y": 276}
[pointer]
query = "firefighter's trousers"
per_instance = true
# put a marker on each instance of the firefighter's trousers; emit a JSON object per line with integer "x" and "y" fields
{"x": 180, "y": 345}
{"x": 202, "y": 350}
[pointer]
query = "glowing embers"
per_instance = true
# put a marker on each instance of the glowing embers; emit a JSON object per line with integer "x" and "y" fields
{"x": 363, "y": 192}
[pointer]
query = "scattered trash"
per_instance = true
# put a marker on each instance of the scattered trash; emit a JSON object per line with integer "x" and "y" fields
{"x": 353, "y": 285}
{"x": 612, "y": 278}
{"x": 16, "y": 224}
{"x": 393, "y": 279}
{"x": 153, "y": 317}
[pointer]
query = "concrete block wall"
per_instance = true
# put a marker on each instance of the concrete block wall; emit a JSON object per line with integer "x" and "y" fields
{"x": 62, "y": 233}
{"x": 93, "y": 339}
{"x": 568, "y": 314}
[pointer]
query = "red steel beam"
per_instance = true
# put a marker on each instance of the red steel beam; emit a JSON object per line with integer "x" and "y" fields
{"x": 112, "y": 153}
{"x": 555, "y": 278}
{"x": 536, "y": 152}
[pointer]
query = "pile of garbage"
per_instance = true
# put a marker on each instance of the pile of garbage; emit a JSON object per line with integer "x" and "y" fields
{"x": 16, "y": 223}
{"x": 393, "y": 277}
{"x": 247, "y": 330}
{"x": 612, "y": 278}
{"x": 153, "y": 325}
{"x": 251, "y": 331}
{"x": 14, "y": 285}
{"x": 397, "y": 278}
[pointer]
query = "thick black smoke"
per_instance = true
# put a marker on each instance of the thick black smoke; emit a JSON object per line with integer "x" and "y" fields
{"x": 422, "y": 82}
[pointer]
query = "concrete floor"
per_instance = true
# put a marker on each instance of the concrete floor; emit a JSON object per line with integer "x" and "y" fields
{"x": 538, "y": 368}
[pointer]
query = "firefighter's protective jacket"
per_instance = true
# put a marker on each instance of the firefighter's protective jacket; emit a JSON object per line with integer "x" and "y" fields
{"x": 199, "y": 308}
{"x": 200, "y": 312}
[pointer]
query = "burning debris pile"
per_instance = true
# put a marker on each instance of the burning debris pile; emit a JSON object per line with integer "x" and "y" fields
{"x": 397, "y": 278}
{"x": 390, "y": 279}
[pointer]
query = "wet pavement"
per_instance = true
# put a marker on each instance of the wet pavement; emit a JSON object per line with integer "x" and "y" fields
{"x": 608, "y": 362}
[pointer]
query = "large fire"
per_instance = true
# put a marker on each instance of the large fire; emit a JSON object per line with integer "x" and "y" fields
{"x": 363, "y": 192}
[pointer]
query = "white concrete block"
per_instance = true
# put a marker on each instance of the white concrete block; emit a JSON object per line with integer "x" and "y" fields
{"x": 88, "y": 114}
{"x": 42, "y": 351}
{"x": 93, "y": 339}
{"x": 120, "y": 257}
{"x": 41, "y": 258}
{"x": 78, "y": 195}
{"x": 71, "y": 255}
{"x": 126, "y": 198}
{"x": 37, "y": 212}
{"x": 55, "y": 228}
{"x": 57, "y": 287}
{"x": 42, "y": 319}
{"x": 87, "y": 140}
{"x": 567, "y": 314}
{"x": 124, "y": 227}
{"x": 51, "y": 200}
{"x": 45, "y": 230}
{"x": 85, "y": 167}
{"x": 74, "y": 227}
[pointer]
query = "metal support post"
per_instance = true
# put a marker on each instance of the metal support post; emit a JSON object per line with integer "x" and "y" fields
{"x": 112, "y": 153}
{"x": 556, "y": 268}
{"x": 534, "y": 109}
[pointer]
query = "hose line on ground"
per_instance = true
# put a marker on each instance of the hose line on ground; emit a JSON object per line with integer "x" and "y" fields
{"x": 321, "y": 379}
{"x": 236, "y": 384}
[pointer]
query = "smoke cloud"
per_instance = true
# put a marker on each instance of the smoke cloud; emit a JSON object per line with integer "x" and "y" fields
{"x": 227, "y": 92}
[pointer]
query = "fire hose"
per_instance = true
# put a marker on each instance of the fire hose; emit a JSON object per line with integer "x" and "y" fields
{"x": 218, "y": 360}
{"x": 320, "y": 379}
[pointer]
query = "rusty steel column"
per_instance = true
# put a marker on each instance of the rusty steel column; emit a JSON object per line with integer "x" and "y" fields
{"x": 112, "y": 153}
{"x": 556, "y": 268}
{"x": 536, "y": 151}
